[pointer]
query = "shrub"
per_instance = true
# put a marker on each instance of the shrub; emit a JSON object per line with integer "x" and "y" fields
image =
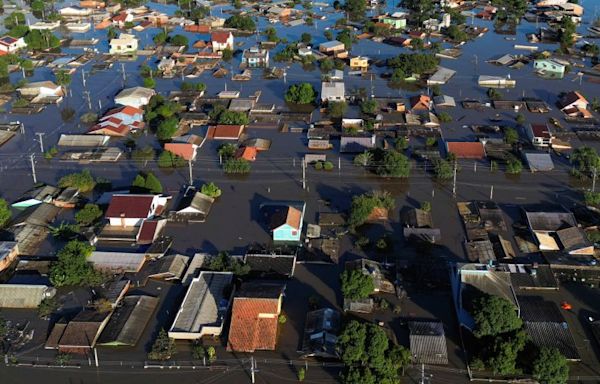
{"x": 239, "y": 166}
{"x": 82, "y": 181}
{"x": 211, "y": 190}
{"x": 282, "y": 319}
{"x": 426, "y": 206}
{"x": 149, "y": 82}
{"x": 170, "y": 160}
{"x": 88, "y": 215}
{"x": 319, "y": 165}
{"x": 328, "y": 165}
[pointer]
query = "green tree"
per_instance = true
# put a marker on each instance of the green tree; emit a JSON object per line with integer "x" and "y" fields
{"x": 111, "y": 33}
{"x": 494, "y": 315}
{"x": 505, "y": 350}
{"x": 223, "y": 262}
{"x": 143, "y": 154}
{"x": 88, "y": 214}
{"x": 363, "y": 159}
{"x": 551, "y": 367}
{"x": 149, "y": 82}
{"x": 211, "y": 189}
{"x": 39, "y": 40}
{"x": 347, "y": 38}
{"x": 494, "y": 94}
{"x": 567, "y": 31}
{"x": 445, "y": 117}
{"x": 271, "y": 34}
{"x": 443, "y": 169}
{"x": 233, "y": 118}
{"x": 520, "y": 119}
{"x": 179, "y": 40}
{"x": 160, "y": 38}
{"x": 227, "y": 150}
{"x": 139, "y": 184}
{"x": 337, "y": 108}
{"x": 326, "y": 64}
{"x": 167, "y": 128}
{"x": 409, "y": 63}
{"x": 369, "y": 107}
{"x": 63, "y": 78}
{"x": 241, "y": 22}
{"x": 72, "y": 267}
{"x": 356, "y": 9}
{"x": 586, "y": 158}
{"x": 82, "y": 181}
{"x": 5, "y": 213}
{"x": 362, "y": 206}
{"x": 514, "y": 166}
{"x": 356, "y": 285}
{"x": 14, "y": 19}
{"x": 153, "y": 184}
{"x": 227, "y": 54}
{"x": 168, "y": 159}
{"x": 456, "y": 33}
{"x": 306, "y": 38}
{"x": 163, "y": 347}
{"x": 394, "y": 164}
{"x": 189, "y": 86}
{"x": 328, "y": 35}
{"x": 426, "y": 206}
{"x": 239, "y": 166}
{"x": 302, "y": 93}
{"x": 591, "y": 198}
{"x": 511, "y": 136}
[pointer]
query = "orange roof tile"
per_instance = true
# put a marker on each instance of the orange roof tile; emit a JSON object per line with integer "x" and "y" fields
{"x": 222, "y": 131}
{"x": 249, "y": 331}
{"x": 247, "y": 153}
{"x": 184, "y": 150}
{"x": 220, "y": 37}
{"x": 466, "y": 149}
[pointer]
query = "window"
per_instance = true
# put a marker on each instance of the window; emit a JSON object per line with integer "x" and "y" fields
{"x": 294, "y": 233}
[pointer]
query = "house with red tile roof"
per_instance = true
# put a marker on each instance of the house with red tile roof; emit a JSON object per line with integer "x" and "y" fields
{"x": 225, "y": 132}
{"x": 421, "y": 103}
{"x": 122, "y": 18}
{"x": 131, "y": 210}
{"x": 540, "y": 134}
{"x": 185, "y": 150}
{"x": 127, "y": 114}
{"x": 574, "y": 104}
{"x": 466, "y": 149}
{"x": 221, "y": 41}
{"x": 254, "y": 317}
{"x": 246, "y": 153}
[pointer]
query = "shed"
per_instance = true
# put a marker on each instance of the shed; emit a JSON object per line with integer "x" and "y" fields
{"x": 539, "y": 161}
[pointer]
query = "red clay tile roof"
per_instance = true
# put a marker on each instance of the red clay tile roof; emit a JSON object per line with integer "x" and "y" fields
{"x": 222, "y": 131}
{"x": 127, "y": 110}
{"x": 181, "y": 149}
{"x": 540, "y": 130}
{"x": 120, "y": 17}
{"x": 247, "y": 153}
{"x": 294, "y": 218}
{"x": 7, "y": 40}
{"x": 420, "y": 102}
{"x": 147, "y": 232}
{"x": 110, "y": 130}
{"x": 202, "y": 28}
{"x": 220, "y": 37}
{"x": 131, "y": 206}
{"x": 466, "y": 149}
{"x": 249, "y": 331}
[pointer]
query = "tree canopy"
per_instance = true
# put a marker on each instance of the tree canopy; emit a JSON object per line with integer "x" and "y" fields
{"x": 494, "y": 315}
{"x": 223, "y": 262}
{"x": 163, "y": 347}
{"x": 363, "y": 205}
{"x": 211, "y": 189}
{"x": 146, "y": 183}
{"x": 233, "y": 117}
{"x": 409, "y": 63}
{"x": 72, "y": 267}
{"x": 550, "y": 367}
{"x": 303, "y": 93}
{"x": 356, "y": 285}
{"x": 84, "y": 181}
{"x": 167, "y": 128}
{"x": 394, "y": 164}
{"x": 586, "y": 158}
{"x": 242, "y": 22}
{"x": 88, "y": 214}
{"x": 5, "y": 213}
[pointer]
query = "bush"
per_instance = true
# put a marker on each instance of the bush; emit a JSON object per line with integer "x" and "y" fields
{"x": 511, "y": 136}
{"x": 233, "y": 118}
{"x": 282, "y": 319}
{"x": 163, "y": 347}
{"x": 143, "y": 154}
{"x": 328, "y": 165}
{"x": 211, "y": 190}
{"x": 369, "y": 107}
{"x": 82, "y": 181}
{"x": 170, "y": 160}
{"x": 227, "y": 150}
{"x": 189, "y": 86}
{"x": 5, "y": 213}
{"x": 20, "y": 103}
{"x": 394, "y": 164}
{"x": 301, "y": 374}
{"x": 241, "y": 22}
{"x": 443, "y": 169}
{"x": 198, "y": 352}
{"x": 149, "y": 82}
{"x": 167, "y": 128}
{"x": 227, "y": 54}
{"x": 319, "y": 165}
{"x": 363, "y": 205}
{"x": 88, "y": 215}
{"x": 146, "y": 183}
{"x": 514, "y": 166}
{"x": 426, "y": 206}
{"x": 356, "y": 285}
{"x": 337, "y": 108}
{"x": 47, "y": 307}
{"x": 239, "y": 166}
{"x": 363, "y": 159}
{"x": 444, "y": 117}
{"x": 592, "y": 198}
{"x": 303, "y": 93}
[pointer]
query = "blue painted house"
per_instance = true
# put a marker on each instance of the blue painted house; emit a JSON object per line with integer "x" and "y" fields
{"x": 286, "y": 222}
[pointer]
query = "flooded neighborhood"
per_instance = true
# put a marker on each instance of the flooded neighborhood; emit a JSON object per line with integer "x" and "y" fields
{"x": 348, "y": 191}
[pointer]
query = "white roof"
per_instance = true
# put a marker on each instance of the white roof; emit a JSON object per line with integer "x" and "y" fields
{"x": 121, "y": 261}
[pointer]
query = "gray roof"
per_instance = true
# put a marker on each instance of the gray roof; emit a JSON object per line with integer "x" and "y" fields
{"x": 539, "y": 161}
{"x": 418, "y": 218}
{"x": 428, "y": 342}
{"x": 433, "y": 235}
{"x": 320, "y": 333}
{"x": 444, "y": 100}
{"x": 550, "y": 221}
{"x": 330, "y": 44}
{"x": 441, "y": 76}
{"x": 495, "y": 283}
{"x": 67, "y": 140}
{"x": 357, "y": 144}
{"x": 205, "y": 303}
{"x": 572, "y": 238}
{"x": 553, "y": 335}
{"x": 481, "y": 251}
{"x": 530, "y": 277}
{"x": 128, "y": 321}
{"x": 24, "y": 295}
{"x": 117, "y": 261}
{"x": 136, "y": 92}
{"x": 333, "y": 90}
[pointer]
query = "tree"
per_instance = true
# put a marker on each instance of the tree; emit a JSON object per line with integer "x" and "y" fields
{"x": 394, "y": 164}
{"x": 514, "y": 166}
{"x": 63, "y": 78}
{"x": 306, "y": 38}
{"x": 149, "y": 82}
{"x": 14, "y": 19}
{"x": 167, "y": 128}
{"x": 586, "y": 158}
{"x": 88, "y": 215}
{"x": 160, "y": 38}
{"x": 302, "y": 93}
{"x": 567, "y": 31}
{"x": 494, "y": 315}
{"x": 72, "y": 267}
{"x": 363, "y": 159}
{"x": 445, "y": 117}
{"x": 211, "y": 190}
{"x": 356, "y": 285}
{"x": 5, "y": 213}
{"x": 153, "y": 184}
{"x": 550, "y": 367}
{"x": 39, "y": 40}
{"x": 223, "y": 262}
{"x": 239, "y": 166}
{"x": 271, "y": 34}
{"x": 511, "y": 136}
{"x": 328, "y": 35}
{"x": 111, "y": 33}
{"x": 227, "y": 54}
{"x": 337, "y": 108}
{"x": 347, "y": 38}
{"x": 326, "y": 64}
{"x": 592, "y": 198}
{"x": 363, "y": 205}
{"x": 189, "y": 86}
{"x": 369, "y": 107}
{"x": 494, "y": 94}
{"x": 233, "y": 118}
{"x": 143, "y": 154}
{"x": 227, "y": 150}
{"x": 505, "y": 349}
{"x": 443, "y": 169}
{"x": 520, "y": 119}
{"x": 168, "y": 159}
{"x": 356, "y": 9}
{"x": 163, "y": 347}
{"x": 409, "y": 63}
{"x": 456, "y": 33}
{"x": 241, "y": 22}
{"x": 198, "y": 351}
{"x": 426, "y": 206}
{"x": 47, "y": 307}
{"x": 82, "y": 181}
{"x": 179, "y": 40}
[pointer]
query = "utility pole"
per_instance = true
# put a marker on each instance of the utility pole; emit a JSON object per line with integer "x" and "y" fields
{"x": 96, "y": 357}
{"x": 190, "y": 168}
{"x": 41, "y": 140}
{"x": 32, "y": 158}
{"x": 252, "y": 369}
{"x": 491, "y": 192}
{"x": 123, "y": 71}
{"x": 454, "y": 181}
{"x": 303, "y": 174}
{"x": 83, "y": 77}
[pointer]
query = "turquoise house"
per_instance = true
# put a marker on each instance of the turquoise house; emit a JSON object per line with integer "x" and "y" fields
{"x": 286, "y": 222}
{"x": 550, "y": 65}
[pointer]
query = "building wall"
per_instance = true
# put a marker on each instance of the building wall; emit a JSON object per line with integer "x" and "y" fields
{"x": 286, "y": 233}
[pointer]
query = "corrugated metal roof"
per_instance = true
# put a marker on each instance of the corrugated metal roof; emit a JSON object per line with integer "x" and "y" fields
{"x": 428, "y": 342}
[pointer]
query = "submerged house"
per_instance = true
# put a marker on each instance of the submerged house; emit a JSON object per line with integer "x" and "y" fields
{"x": 286, "y": 222}
{"x": 131, "y": 210}
{"x": 124, "y": 44}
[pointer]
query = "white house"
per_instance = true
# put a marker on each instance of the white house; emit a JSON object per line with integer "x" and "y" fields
{"x": 10, "y": 44}
{"x": 135, "y": 97}
{"x": 333, "y": 91}
{"x": 125, "y": 43}
{"x": 540, "y": 135}
{"x": 41, "y": 88}
{"x": 132, "y": 210}
{"x": 221, "y": 41}
{"x": 75, "y": 11}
